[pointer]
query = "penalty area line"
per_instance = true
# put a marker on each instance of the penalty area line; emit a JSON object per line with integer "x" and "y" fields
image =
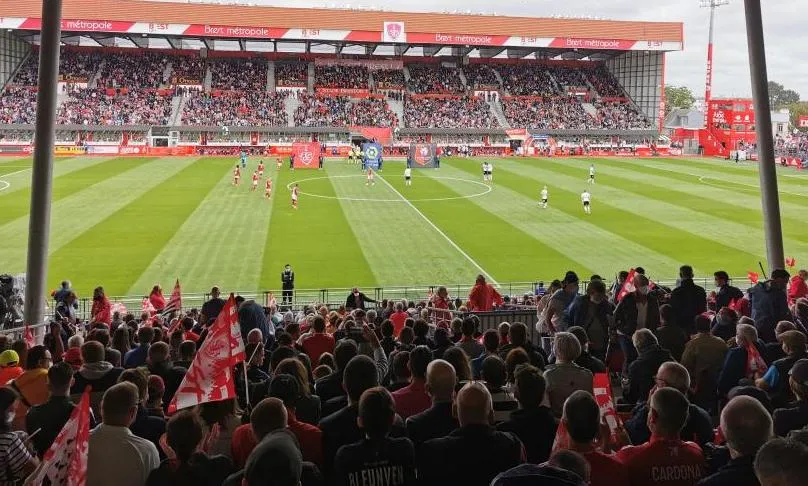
{"x": 5, "y": 184}
{"x": 440, "y": 232}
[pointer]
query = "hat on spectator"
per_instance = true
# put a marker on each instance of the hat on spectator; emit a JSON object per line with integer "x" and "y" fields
{"x": 9, "y": 357}
{"x": 799, "y": 372}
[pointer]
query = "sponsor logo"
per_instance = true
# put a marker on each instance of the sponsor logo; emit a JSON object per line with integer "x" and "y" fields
{"x": 372, "y": 152}
{"x": 306, "y": 157}
{"x": 219, "y": 30}
{"x": 394, "y": 30}
{"x": 87, "y": 25}
{"x": 464, "y": 39}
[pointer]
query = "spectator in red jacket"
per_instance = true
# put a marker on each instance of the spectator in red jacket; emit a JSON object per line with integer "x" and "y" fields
{"x": 102, "y": 308}
{"x": 798, "y": 288}
{"x": 156, "y": 299}
{"x": 483, "y": 296}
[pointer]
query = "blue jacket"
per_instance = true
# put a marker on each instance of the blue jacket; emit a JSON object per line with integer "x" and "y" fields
{"x": 769, "y": 306}
{"x": 251, "y": 316}
{"x": 734, "y": 369}
{"x": 577, "y": 312}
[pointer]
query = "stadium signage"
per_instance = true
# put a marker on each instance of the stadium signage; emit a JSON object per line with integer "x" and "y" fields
{"x": 802, "y": 122}
{"x": 593, "y": 43}
{"x": 371, "y": 65}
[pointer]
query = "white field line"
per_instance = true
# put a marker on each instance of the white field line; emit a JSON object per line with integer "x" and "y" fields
{"x": 440, "y": 232}
{"x": 5, "y": 184}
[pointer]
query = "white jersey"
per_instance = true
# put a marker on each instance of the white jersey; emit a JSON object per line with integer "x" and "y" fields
{"x": 591, "y": 172}
{"x": 586, "y": 197}
{"x": 407, "y": 172}
{"x": 544, "y": 193}
{"x": 490, "y": 168}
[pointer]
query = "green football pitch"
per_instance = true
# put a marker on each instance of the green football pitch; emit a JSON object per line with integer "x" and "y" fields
{"x": 128, "y": 223}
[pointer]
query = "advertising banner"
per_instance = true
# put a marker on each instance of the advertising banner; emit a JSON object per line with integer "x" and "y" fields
{"x": 802, "y": 122}
{"x": 373, "y": 155}
{"x": 102, "y": 149}
{"x": 69, "y": 150}
{"x": 16, "y": 149}
{"x": 423, "y": 155}
{"x": 351, "y": 92}
{"x": 369, "y": 64}
{"x": 306, "y": 154}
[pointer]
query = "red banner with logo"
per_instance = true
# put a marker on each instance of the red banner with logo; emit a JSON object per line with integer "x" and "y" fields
{"x": 802, "y": 122}
{"x": 371, "y": 65}
{"x": 352, "y": 92}
{"x": 307, "y": 155}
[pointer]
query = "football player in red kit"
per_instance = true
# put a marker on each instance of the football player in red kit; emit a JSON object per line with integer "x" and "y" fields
{"x": 236, "y": 176}
{"x": 371, "y": 175}
{"x": 255, "y": 180}
{"x": 261, "y": 168}
{"x": 268, "y": 191}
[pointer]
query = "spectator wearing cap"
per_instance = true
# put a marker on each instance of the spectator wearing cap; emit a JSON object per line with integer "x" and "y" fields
{"x": 581, "y": 420}
{"x": 559, "y": 302}
{"x": 725, "y": 293}
{"x": 586, "y": 360}
{"x": 669, "y": 335}
{"x": 636, "y": 310}
{"x": 564, "y": 376}
{"x": 795, "y": 416}
{"x": 456, "y": 458}
{"x": 782, "y": 462}
{"x": 438, "y": 420}
{"x": 138, "y": 356}
{"x": 318, "y": 342}
{"x": 517, "y": 337}
{"x": 190, "y": 466}
{"x": 666, "y": 458}
{"x": 413, "y": 398}
{"x": 32, "y": 384}
{"x": 376, "y": 454}
{"x": 743, "y": 362}
{"x": 532, "y": 423}
{"x": 797, "y": 287}
{"x": 116, "y": 455}
{"x": 770, "y": 304}
{"x": 48, "y": 418}
{"x": 483, "y": 297}
{"x": 746, "y": 426}
{"x": 774, "y": 381}
{"x": 212, "y": 308}
{"x": 10, "y": 367}
{"x": 468, "y": 343}
{"x": 592, "y": 311}
{"x": 642, "y": 371}
{"x": 159, "y": 363}
{"x": 703, "y": 357}
{"x": 698, "y": 428}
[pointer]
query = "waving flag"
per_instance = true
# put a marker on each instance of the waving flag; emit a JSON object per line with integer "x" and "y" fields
{"x": 175, "y": 302}
{"x": 753, "y": 276}
{"x": 628, "y": 286}
{"x": 791, "y": 262}
{"x": 66, "y": 460}
{"x": 28, "y": 336}
{"x": 210, "y": 376}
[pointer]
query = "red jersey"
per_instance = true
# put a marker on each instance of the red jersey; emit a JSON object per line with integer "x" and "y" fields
{"x": 370, "y": 172}
{"x": 260, "y": 167}
{"x": 606, "y": 469}
{"x": 236, "y": 173}
{"x": 663, "y": 462}
{"x": 255, "y": 178}
{"x": 482, "y": 298}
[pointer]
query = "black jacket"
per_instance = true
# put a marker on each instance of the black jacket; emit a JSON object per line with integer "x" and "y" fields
{"x": 172, "y": 378}
{"x": 536, "y": 355}
{"x": 436, "y": 421}
{"x": 688, "y": 300}
{"x": 625, "y": 314}
{"x": 642, "y": 371}
{"x": 200, "y": 470}
{"x": 212, "y": 308}
{"x": 50, "y": 417}
{"x": 536, "y": 429}
{"x": 788, "y": 419}
{"x": 738, "y": 472}
{"x": 288, "y": 280}
{"x": 354, "y": 302}
{"x": 329, "y": 387}
{"x": 698, "y": 428}
{"x": 389, "y": 458}
{"x": 725, "y": 295}
{"x": 470, "y": 456}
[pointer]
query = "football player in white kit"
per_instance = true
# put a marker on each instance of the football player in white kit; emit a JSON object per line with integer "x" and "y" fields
{"x": 544, "y": 195}
{"x": 586, "y": 198}
{"x": 592, "y": 174}
{"x": 407, "y": 176}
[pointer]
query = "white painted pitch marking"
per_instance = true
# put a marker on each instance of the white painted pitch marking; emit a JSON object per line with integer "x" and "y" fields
{"x": 440, "y": 232}
{"x": 348, "y": 198}
{"x": 8, "y": 184}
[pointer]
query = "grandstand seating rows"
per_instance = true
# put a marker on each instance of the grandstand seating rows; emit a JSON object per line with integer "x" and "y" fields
{"x": 117, "y": 88}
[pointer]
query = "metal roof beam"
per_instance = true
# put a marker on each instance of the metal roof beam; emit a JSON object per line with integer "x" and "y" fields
{"x": 461, "y": 51}
{"x": 140, "y": 41}
{"x": 207, "y": 43}
{"x": 242, "y": 44}
{"x": 430, "y": 51}
{"x": 105, "y": 41}
{"x": 175, "y": 43}
{"x": 401, "y": 49}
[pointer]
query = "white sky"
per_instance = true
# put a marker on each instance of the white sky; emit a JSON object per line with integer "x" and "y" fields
{"x": 784, "y": 28}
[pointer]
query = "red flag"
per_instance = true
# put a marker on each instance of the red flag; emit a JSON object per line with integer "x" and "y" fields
{"x": 175, "y": 302}
{"x": 210, "y": 376}
{"x": 791, "y": 262}
{"x": 628, "y": 286}
{"x": 753, "y": 276}
{"x": 28, "y": 336}
{"x": 602, "y": 388}
{"x": 238, "y": 352}
{"x": 66, "y": 460}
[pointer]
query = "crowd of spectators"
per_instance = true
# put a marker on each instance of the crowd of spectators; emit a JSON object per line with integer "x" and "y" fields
{"x": 713, "y": 389}
{"x": 372, "y": 112}
{"x": 549, "y": 113}
{"x": 527, "y": 80}
{"x": 568, "y": 77}
{"x": 18, "y": 105}
{"x": 233, "y": 109}
{"x": 72, "y": 66}
{"x": 350, "y": 77}
{"x": 460, "y": 112}
{"x": 291, "y": 74}
{"x": 238, "y": 75}
{"x": 481, "y": 76}
{"x": 432, "y": 79}
{"x": 188, "y": 69}
{"x": 136, "y": 70}
{"x": 96, "y": 107}
{"x": 320, "y": 111}
{"x": 604, "y": 83}
{"x": 388, "y": 79}
{"x": 620, "y": 116}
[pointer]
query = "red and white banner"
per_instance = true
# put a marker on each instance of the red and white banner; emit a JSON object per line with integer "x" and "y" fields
{"x": 602, "y": 388}
{"x": 210, "y": 376}
{"x": 175, "y": 302}
{"x": 351, "y": 92}
{"x": 369, "y": 64}
{"x": 307, "y": 155}
{"x": 628, "y": 286}
{"x": 802, "y": 122}
{"x": 65, "y": 462}
{"x": 390, "y": 32}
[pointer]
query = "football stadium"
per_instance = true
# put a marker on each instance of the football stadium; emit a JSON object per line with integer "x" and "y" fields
{"x": 409, "y": 211}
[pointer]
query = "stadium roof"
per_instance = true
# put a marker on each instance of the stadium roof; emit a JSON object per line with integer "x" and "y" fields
{"x": 232, "y": 27}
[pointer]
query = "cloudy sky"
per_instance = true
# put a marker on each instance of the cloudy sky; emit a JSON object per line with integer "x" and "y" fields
{"x": 786, "y": 40}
